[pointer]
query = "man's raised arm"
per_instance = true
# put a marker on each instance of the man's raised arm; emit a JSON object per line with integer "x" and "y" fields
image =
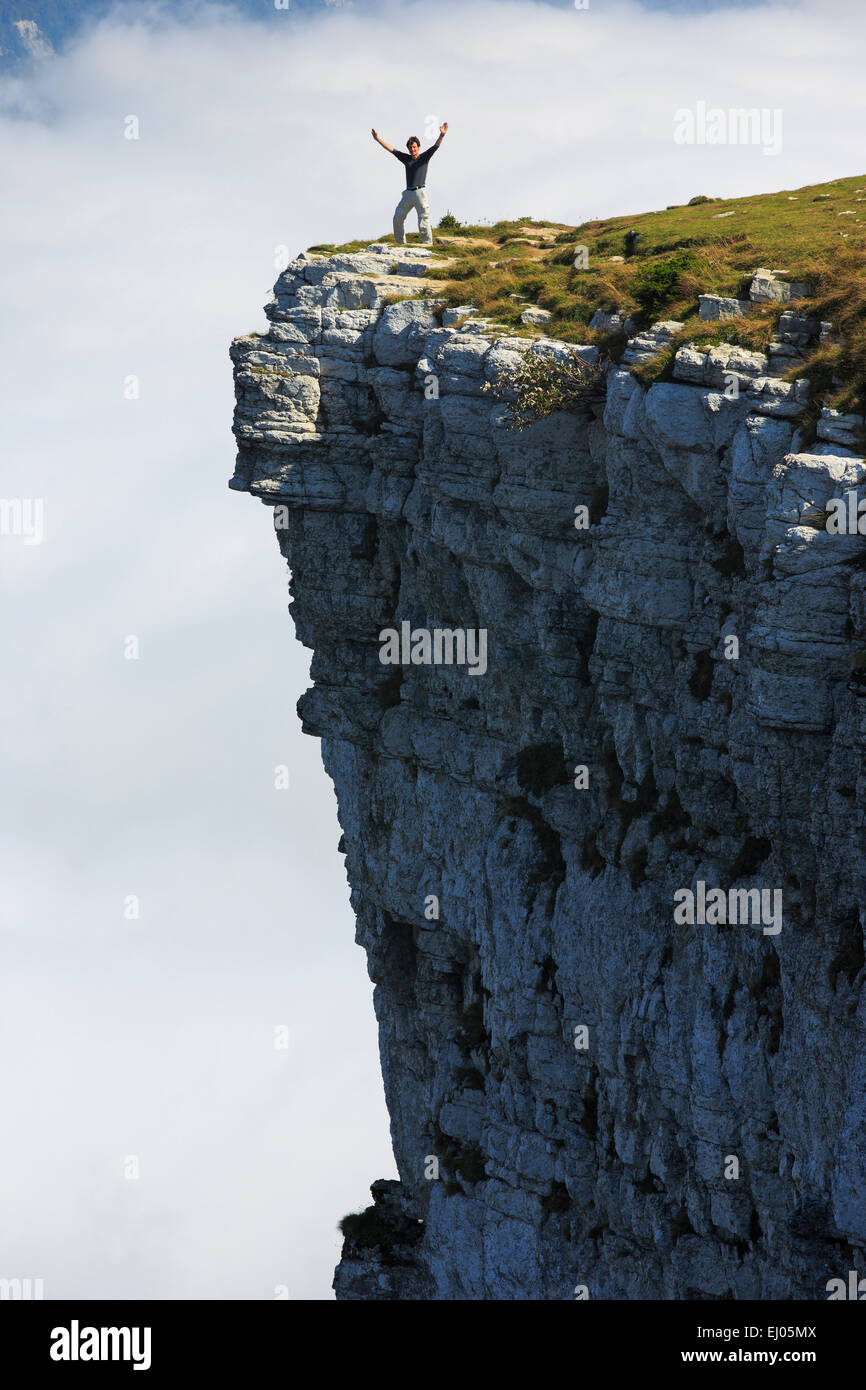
{"x": 443, "y": 131}
{"x": 383, "y": 143}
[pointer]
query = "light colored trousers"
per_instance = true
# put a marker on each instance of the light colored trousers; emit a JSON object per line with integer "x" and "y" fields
{"x": 413, "y": 198}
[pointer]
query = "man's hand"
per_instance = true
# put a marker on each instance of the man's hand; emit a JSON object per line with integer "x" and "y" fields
{"x": 384, "y": 143}
{"x": 443, "y": 129}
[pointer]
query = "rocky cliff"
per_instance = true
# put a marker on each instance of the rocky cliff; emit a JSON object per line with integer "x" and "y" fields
{"x": 595, "y": 1090}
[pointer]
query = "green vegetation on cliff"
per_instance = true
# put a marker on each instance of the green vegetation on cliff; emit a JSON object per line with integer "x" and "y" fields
{"x": 815, "y": 234}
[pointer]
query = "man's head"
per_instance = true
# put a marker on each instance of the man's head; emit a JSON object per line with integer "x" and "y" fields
{"x": 413, "y": 145}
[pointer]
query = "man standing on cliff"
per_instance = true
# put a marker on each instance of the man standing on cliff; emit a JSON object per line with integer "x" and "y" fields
{"x": 415, "y": 192}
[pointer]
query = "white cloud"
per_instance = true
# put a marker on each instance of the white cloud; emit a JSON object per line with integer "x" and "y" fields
{"x": 146, "y": 257}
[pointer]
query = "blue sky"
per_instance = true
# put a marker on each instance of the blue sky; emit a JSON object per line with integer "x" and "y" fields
{"x": 154, "y": 777}
{"x": 58, "y": 20}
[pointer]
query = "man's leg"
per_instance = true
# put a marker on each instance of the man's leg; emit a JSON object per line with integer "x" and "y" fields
{"x": 424, "y": 216}
{"x": 400, "y": 214}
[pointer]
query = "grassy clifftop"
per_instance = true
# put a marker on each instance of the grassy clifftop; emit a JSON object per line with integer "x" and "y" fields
{"x": 816, "y": 234}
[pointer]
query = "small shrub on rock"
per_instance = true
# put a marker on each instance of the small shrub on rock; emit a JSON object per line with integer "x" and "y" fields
{"x": 544, "y": 384}
{"x": 657, "y": 283}
{"x": 448, "y": 223}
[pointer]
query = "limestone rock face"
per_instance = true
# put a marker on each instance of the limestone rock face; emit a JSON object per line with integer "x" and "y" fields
{"x": 772, "y": 286}
{"x": 719, "y": 306}
{"x": 534, "y": 315}
{"x": 611, "y": 323}
{"x": 587, "y": 1091}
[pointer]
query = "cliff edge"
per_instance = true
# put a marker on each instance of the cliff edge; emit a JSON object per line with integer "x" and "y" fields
{"x": 617, "y": 1064}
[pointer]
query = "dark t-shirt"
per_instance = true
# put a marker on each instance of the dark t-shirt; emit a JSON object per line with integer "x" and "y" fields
{"x": 416, "y": 169}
